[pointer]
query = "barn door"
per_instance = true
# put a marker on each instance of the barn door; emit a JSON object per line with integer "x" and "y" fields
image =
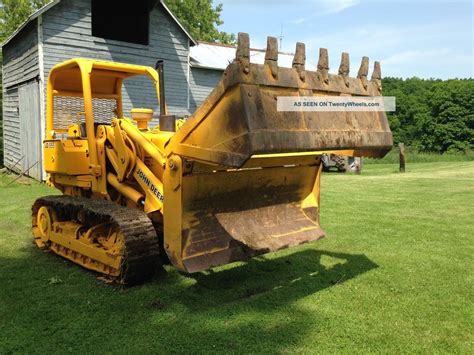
{"x": 30, "y": 131}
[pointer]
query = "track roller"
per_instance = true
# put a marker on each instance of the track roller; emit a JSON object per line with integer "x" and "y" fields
{"x": 115, "y": 241}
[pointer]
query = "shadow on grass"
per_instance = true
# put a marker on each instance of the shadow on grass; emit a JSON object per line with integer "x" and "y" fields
{"x": 258, "y": 306}
{"x": 251, "y": 307}
{"x": 289, "y": 277}
{"x": 284, "y": 279}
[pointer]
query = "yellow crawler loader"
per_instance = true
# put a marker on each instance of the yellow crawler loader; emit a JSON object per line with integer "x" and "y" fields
{"x": 239, "y": 178}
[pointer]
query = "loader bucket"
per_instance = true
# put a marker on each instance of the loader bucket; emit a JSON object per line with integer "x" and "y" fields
{"x": 245, "y": 176}
{"x": 213, "y": 217}
{"x": 240, "y": 118}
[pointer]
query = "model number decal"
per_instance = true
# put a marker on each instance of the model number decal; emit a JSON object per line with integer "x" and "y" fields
{"x": 148, "y": 183}
{"x": 49, "y": 144}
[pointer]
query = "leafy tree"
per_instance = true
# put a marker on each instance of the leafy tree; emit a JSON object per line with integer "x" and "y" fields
{"x": 200, "y": 18}
{"x": 14, "y": 12}
{"x": 432, "y": 115}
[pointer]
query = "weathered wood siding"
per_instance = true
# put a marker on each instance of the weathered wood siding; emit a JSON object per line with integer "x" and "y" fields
{"x": 11, "y": 127}
{"x": 30, "y": 131}
{"x": 201, "y": 82}
{"x": 20, "y": 65}
{"x": 20, "y": 57}
{"x": 67, "y": 33}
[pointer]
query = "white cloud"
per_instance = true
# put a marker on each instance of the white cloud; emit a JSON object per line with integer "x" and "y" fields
{"x": 335, "y": 6}
{"x": 298, "y": 20}
{"x": 326, "y": 8}
{"x": 414, "y": 62}
{"x": 411, "y": 56}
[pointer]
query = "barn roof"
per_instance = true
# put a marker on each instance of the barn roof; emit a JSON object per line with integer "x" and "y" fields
{"x": 55, "y": 2}
{"x": 218, "y": 56}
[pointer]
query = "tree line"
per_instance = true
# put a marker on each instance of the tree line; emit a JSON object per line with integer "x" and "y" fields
{"x": 432, "y": 115}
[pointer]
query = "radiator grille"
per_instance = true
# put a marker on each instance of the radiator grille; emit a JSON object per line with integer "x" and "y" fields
{"x": 69, "y": 110}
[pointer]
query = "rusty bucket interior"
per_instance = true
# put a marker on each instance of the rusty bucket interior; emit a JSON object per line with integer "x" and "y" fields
{"x": 230, "y": 215}
{"x": 253, "y": 176}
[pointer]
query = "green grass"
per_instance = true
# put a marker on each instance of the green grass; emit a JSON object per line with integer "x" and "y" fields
{"x": 394, "y": 275}
{"x": 413, "y": 156}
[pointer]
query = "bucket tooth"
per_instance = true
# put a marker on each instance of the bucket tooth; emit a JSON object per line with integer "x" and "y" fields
{"x": 300, "y": 59}
{"x": 377, "y": 75}
{"x": 364, "y": 71}
{"x": 271, "y": 55}
{"x": 242, "y": 55}
{"x": 323, "y": 65}
{"x": 344, "y": 68}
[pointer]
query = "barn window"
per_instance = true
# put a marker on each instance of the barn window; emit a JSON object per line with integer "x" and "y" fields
{"x": 124, "y": 20}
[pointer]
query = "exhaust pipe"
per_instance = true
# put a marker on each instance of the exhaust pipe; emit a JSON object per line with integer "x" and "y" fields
{"x": 160, "y": 68}
{"x": 167, "y": 122}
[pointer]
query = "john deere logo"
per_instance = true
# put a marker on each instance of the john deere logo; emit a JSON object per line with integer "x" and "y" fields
{"x": 150, "y": 185}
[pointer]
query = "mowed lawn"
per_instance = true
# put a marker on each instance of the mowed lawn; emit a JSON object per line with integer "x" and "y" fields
{"x": 394, "y": 274}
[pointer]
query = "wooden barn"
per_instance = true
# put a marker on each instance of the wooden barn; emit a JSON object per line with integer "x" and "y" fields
{"x": 138, "y": 32}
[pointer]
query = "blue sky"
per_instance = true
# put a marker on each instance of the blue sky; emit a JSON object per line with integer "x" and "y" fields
{"x": 410, "y": 38}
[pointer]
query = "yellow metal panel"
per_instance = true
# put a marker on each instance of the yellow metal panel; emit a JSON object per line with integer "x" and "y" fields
{"x": 68, "y": 156}
{"x": 121, "y": 149}
{"x": 82, "y": 181}
{"x": 151, "y": 185}
{"x": 64, "y": 234}
{"x": 173, "y": 213}
{"x": 101, "y": 186}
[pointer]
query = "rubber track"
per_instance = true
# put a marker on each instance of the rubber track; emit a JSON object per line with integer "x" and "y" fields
{"x": 142, "y": 253}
